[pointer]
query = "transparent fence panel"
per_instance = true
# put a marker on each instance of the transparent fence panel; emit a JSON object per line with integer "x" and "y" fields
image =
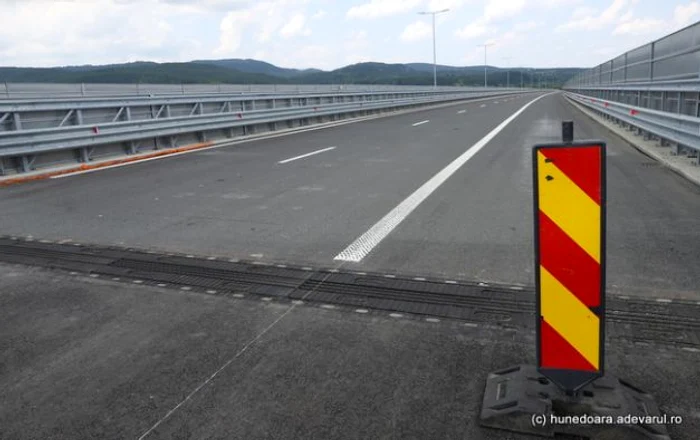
{"x": 678, "y": 67}
{"x": 671, "y": 59}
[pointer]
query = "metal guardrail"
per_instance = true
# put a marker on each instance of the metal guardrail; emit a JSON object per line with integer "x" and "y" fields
{"x": 680, "y": 129}
{"x": 43, "y": 90}
{"x": 48, "y": 113}
{"x": 20, "y": 105}
{"x": 29, "y": 143}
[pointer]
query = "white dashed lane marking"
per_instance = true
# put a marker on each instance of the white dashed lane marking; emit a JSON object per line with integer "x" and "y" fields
{"x": 363, "y": 245}
{"x": 305, "y": 155}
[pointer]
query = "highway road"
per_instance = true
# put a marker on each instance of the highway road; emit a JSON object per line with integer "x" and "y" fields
{"x": 435, "y": 192}
{"x": 104, "y": 342}
{"x": 91, "y": 358}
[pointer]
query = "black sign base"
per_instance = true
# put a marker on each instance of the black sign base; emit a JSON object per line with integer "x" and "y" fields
{"x": 519, "y": 399}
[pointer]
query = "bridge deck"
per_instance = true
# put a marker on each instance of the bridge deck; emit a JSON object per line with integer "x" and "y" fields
{"x": 105, "y": 359}
{"x": 241, "y": 202}
{"x": 87, "y": 357}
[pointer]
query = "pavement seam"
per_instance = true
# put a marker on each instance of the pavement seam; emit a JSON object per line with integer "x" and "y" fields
{"x": 216, "y": 373}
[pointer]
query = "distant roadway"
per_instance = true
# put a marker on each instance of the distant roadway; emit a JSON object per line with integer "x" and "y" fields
{"x": 417, "y": 193}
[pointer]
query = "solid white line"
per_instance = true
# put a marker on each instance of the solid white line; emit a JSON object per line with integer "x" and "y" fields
{"x": 216, "y": 373}
{"x": 421, "y": 123}
{"x": 367, "y": 241}
{"x": 461, "y": 112}
{"x": 305, "y": 155}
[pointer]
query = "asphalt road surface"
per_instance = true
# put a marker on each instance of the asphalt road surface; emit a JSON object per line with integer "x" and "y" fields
{"x": 84, "y": 358}
{"x": 443, "y": 193}
{"x": 261, "y": 200}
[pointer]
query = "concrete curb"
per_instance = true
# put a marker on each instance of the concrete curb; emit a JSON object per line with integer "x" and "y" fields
{"x": 648, "y": 148}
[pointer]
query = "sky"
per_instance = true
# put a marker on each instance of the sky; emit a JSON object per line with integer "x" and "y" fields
{"x": 328, "y": 34}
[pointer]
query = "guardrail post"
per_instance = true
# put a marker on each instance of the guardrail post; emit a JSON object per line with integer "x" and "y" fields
{"x": 7, "y": 89}
{"x": 17, "y": 121}
{"x": 652, "y": 61}
{"x": 676, "y": 149}
{"x": 84, "y": 154}
{"x": 25, "y": 164}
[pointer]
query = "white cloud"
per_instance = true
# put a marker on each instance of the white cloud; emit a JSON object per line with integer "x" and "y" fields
{"x": 474, "y": 29}
{"x": 526, "y": 26}
{"x": 551, "y": 4}
{"x": 269, "y": 18}
{"x": 231, "y": 32}
{"x": 438, "y": 5}
{"x": 655, "y": 27}
{"x": 46, "y": 33}
{"x": 591, "y": 22}
{"x": 684, "y": 15}
{"x": 629, "y": 15}
{"x": 382, "y": 8}
{"x": 319, "y": 14}
{"x": 583, "y": 11}
{"x": 639, "y": 26}
{"x": 500, "y": 9}
{"x": 295, "y": 26}
{"x": 610, "y": 14}
{"x": 416, "y": 31}
{"x": 357, "y": 41}
{"x": 200, "y": 5}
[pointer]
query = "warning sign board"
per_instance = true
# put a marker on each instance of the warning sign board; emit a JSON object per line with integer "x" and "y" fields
{"x": 569, "y": 191}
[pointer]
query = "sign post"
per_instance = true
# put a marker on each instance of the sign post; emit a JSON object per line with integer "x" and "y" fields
{"x": 569, "y": 200}
{"x": 567, "y": 391}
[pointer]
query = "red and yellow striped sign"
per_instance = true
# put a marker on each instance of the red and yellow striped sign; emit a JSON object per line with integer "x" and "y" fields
{"x": 569, "y": 230}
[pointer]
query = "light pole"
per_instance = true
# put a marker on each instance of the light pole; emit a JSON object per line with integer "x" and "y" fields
{"x": 434, "y": 13}
{"x": 506, "y": 59}
{"x": 486, "y": 82}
